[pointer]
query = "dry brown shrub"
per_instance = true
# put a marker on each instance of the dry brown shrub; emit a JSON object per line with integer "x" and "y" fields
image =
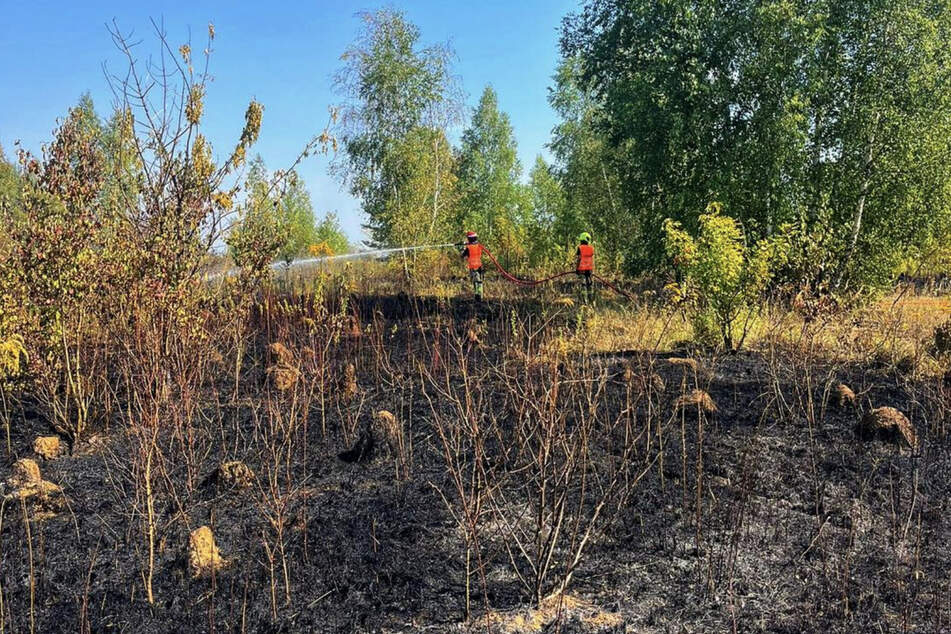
{"x": 350, "y": 387}
{"x": 843, "y": 396}
{"x": 203, "y": 555}
{"x": 696, "y": 398}
{"x": 685, "y": 363}
{"x": 887, "y": 423}
{"x": 235, "y": 474}
{"x": 47, "y": 447}
{"x": 282, "y": 353}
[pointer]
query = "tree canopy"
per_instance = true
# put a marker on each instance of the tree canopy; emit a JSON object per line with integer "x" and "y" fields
{"x": 833, "y": 115}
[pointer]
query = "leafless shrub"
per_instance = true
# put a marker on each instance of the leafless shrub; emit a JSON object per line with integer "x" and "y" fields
{"x": 524, "y": 447}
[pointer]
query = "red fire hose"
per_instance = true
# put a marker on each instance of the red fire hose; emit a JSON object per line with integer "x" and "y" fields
{"x": 530, "y": 283}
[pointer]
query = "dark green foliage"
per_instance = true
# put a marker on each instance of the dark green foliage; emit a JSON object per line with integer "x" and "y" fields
{"x": 493, "y": 201}
{"x": 833, "y": 115}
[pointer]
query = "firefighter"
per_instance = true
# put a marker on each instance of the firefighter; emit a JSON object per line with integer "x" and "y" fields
{"x": 584, "y": 264}
{"x": 472, "y": 254}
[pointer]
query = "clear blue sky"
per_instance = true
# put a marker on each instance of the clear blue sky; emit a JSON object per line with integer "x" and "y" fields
{"x": 281, "y": 53}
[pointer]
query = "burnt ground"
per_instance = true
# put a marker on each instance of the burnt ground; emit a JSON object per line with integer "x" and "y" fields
{"x": 802, "y": 526}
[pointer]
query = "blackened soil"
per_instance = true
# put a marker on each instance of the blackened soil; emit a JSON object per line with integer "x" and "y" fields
{"x": 769, "y": 516}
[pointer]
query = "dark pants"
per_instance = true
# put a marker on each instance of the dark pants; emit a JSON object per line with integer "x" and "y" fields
{"x": 476, "y": 275}
{"x": 588, "y": 288}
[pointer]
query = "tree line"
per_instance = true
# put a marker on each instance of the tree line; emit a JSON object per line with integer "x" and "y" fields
{"x": 825, "y": 121}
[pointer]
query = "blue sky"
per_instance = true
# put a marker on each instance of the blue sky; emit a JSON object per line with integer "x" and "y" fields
{"x": 283, "y": 54}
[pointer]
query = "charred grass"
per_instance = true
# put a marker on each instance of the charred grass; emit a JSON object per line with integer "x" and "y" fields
{"x": 529, "y": 460}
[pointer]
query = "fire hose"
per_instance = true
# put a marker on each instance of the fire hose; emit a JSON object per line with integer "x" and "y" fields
{"x": 530, "y": 283}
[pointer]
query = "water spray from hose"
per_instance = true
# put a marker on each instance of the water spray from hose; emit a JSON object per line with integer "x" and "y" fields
{"x": 360, "y": 255}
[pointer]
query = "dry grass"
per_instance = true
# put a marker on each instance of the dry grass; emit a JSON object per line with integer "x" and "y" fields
{"x": 203, "y": 555}
{"x": 696, "y": 399}
{"x": 554, "y": 610}
{"x": 898, "y": 330}
{"x": 48, "y": 447}
{"x": 887, "y": 423}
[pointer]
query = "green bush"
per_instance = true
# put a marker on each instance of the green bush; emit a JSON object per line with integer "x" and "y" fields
{"x": 721, "y": 276}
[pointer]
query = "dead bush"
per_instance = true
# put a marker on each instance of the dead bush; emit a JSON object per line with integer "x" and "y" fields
{"x": 843, "y": 396}
{"x": 890, "y": 425}
{"x": 203, "y": 555}
{"x": 696, "y": 398}
{"x": 235, "y": 474}
{"x": 349, "y": 388}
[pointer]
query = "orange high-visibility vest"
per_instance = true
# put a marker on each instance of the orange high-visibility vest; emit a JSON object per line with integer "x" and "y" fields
{"x": 475, "y": 256}
{"x": 586, "y": 261}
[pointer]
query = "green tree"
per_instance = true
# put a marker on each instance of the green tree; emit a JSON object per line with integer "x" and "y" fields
{"x": 330, "y": 233}
{"x": 296, "y": 214}
{"x": 259, "y": 233}
{"x": 548, "y": 208}
{"x": 424, "y": 197}
{"x": 394, "y": 87}
{"x": 11, "y": 292}
{"x": 493, "y": 202}
{"x": 834, "y": 115}
{"x": 121, "y": 188}
{"x": 10, "y": 186}
{"x": 588, "y": 174}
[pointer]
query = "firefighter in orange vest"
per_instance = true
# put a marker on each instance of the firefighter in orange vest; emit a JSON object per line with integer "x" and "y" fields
{"x": 472, "y": 254}
{"x": 584, "y": 265}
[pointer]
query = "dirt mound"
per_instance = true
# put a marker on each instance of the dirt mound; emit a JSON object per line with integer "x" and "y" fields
{"x": 389, "y": 429}
{"x": 557, "y": 613}
{"x": 888, "y": 424}
{"x": 685, "y": 363}
{"x": 203, "y": 555}
{"x": 27, "y": 483}
{"x": 235, "y": 474}
{"x": 696, "y": 398}
{"x": 842, "y": 396}
{"x": 282, "y": 353}
{"x": 284, "y": 377}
